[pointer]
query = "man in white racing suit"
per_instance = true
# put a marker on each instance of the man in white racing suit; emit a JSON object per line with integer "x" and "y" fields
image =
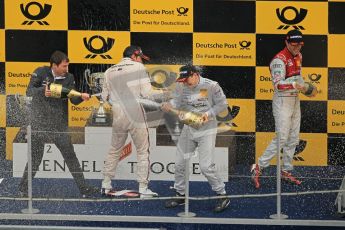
{"x": 124, "y": 83}
{"x": 197, "y": 94}
{"x": 287, "y": 81}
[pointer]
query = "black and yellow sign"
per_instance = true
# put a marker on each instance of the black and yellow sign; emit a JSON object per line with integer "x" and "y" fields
{"x": 311, "y": 150}
{"x": 233, "y": 42}
{"x": 161, "y": 16}
{"x": 280, "y": 17}
{"x": 263, "y": 84}
{"x": 319, "y": 78}
{"x": 224, "y": 49}
{"x": 336, "y": 117}
{"x": 36, "y": 15}
{"x": 242, "y": 111}
{"x": 316, "y": 76}
{"x": 336, "y": 46}
{"x": 11, "y": 133}
{"x": 18, "y": 76}
{"x": 79, "y": 114}
{"x": 97, "y": 46}
{"x": 3, "y": 111}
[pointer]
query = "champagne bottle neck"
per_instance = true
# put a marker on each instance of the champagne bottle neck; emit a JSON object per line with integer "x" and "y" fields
{"x": 175, "y": 111}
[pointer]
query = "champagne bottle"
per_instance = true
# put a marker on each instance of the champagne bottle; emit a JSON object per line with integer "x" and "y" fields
{"x": 58, "y": 91}
{"x": 192, "y": 119}
{"x": 310, "y": 91}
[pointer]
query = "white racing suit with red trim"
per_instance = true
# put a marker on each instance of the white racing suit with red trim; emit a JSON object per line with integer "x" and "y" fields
{"x": 285, "y": 69}
{"x": 135, "y": 80}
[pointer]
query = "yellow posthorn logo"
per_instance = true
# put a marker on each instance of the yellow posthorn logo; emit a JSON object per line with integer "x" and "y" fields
{"x": 182, "y": 11}
{"x": 43, "y": 12}
{"x": 245, "y": 45}
{"x": 299, "y": 17}
{"x": 314, "y": 77}
{"x": 299, "y": 149}
{"x": 106, "y": 46}
{"x": 229, "y": 116}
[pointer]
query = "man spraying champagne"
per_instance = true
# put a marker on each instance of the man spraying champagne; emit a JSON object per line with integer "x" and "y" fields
{"x": 197, "y": 101}
{"x": 49, "y": 119}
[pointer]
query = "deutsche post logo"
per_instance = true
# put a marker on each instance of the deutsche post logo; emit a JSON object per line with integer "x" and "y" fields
{"x": 314, "y": 77}
{"x": 299, "y": 17}
{"x": 232, "y": 113}
{"x": 299, "y": 149}
{"x": 106, "y": 46}
{"x": 182, "y": 11}
{"x": 245, "y": 45}
{"x": 43, "y": 12}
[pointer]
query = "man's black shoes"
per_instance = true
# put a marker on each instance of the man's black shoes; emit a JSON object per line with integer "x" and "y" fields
{"x": 222, "y": 204}
{"x": 23, "y": 194}
{"x": 180, "y": 200}
{"x": 87, "y": 191}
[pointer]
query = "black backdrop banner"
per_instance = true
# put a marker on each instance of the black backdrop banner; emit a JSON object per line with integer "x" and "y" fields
{"x": 233, "y": 41}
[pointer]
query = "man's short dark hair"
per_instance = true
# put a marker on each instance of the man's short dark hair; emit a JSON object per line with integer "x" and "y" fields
{"x": 58, "y": 57}
{"x": 136, "y": 50}
{"x": 294, "y": 36}
{"x": 186, "y": 71}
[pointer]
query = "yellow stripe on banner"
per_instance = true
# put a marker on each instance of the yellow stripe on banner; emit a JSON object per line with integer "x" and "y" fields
{"x": 3, "y": 111}
{"x": 242, "y": 111}
{"x": 336, "y": 116}
{"x": 336, "y": 47}
{"x": 11, "y": 133}
{"x": 161, "y": 16}
{"x": 82, "y": 45}
{"x": 18, "y": 75}
{"x": 310, "y": 151}
{"x": 2, "y": 45}
{"x": 224, "y": 49}
{"x": 36, "y": 15}
{"x": 281, "y": 16}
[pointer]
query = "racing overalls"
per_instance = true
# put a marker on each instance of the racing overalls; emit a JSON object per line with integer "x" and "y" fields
{"x": 285, "y": 69}
{"x": 207, "y": 97}
{"x": 124, "y": 83}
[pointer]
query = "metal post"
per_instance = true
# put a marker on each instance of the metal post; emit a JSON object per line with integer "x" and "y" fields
{"x": 186, "y": 212}
{"x": 29, "y": 210}
{"x": 279, "y": 215}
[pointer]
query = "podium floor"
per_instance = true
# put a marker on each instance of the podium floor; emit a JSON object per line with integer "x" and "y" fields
{"x": 55, "y": 197}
